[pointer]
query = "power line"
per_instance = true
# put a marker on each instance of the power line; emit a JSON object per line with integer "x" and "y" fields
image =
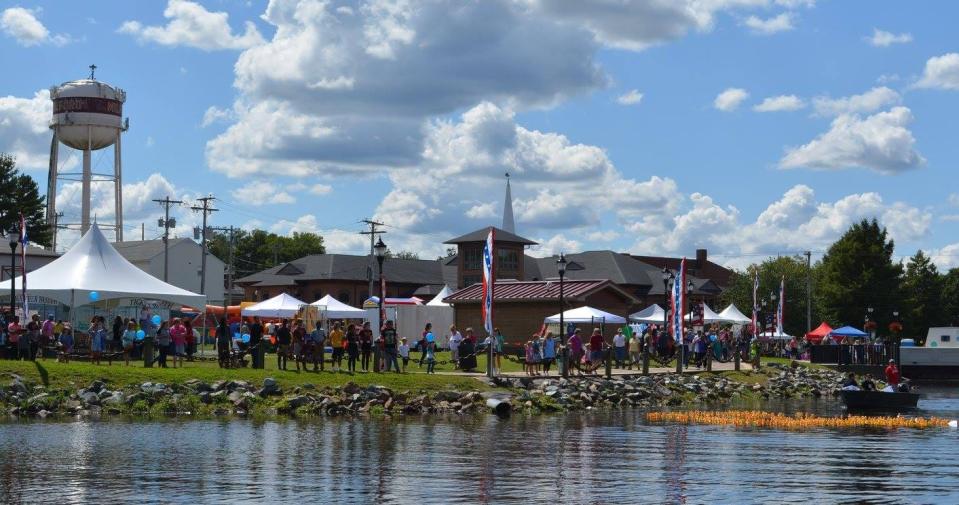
{"x": 166, "y": 223}
{"x": 372, "y": 233}
{"x": 206, "y": 209}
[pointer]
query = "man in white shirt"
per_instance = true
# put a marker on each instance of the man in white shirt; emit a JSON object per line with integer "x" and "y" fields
{"x": 454, "y": 343}
{"x": 619, "y": 348}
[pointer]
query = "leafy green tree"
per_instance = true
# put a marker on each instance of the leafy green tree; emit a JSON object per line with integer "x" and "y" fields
{"x": 922, "y": 286}
{"x": 771, "y": 272}
{"x": 19, "y": 193}
{"x": 258, "y": 250}
{"x": 950, "y": 297}
{"x": 857, "y": 272}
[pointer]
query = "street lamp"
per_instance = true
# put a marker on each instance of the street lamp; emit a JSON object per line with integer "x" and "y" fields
{"x": 13, "y": 269}
{"x": 561, "y": 268}
{"x": 380, "y": 251}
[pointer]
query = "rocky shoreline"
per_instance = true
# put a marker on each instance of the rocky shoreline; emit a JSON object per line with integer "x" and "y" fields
{"x": 21, "y": 398}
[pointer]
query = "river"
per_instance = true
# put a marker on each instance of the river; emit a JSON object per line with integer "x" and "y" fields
{"x": 593, "y": 457}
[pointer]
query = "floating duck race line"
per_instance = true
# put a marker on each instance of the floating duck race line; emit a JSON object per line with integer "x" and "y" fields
{"x": 754, "y": 418}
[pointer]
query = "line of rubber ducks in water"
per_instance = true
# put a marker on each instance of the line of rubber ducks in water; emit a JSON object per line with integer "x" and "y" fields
{"x": 755, "y": 418}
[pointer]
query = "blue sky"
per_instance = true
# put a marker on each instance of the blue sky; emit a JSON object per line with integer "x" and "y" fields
{"x": 302, "y": 115}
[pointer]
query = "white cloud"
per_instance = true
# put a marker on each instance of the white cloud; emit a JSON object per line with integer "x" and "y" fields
{"x": 781, "y": 23}
{"x": 887, "y": 78}
{"x": 881, "y": 142}
{"x": 24, "y": 131}
{"x": 485, "y": 210}
{"x": 321, "y": 189}
{"x": 780, "y": 103}
{"x": 941, "y": 72}
{"x": 150, "y": 142}
{"x": 953, "y": 199}
{"x": 556, "y": 244}
{"x": 872, "y": 100}
{"x": 23, "y": 26}
{"x": 882, "y": 38}
{"x": 335, "y": 240}
{"x": 946, "y": 258}
{"x": 730, "y": 99}
{"x": 633, "y": 97}
{"x": 259, "y": 193}
{"x": 603, "y": 236}
{"x": 192, "y": 25}
{"x": 214, "y": 115}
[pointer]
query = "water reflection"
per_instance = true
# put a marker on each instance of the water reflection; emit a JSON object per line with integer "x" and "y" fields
{"x": 594, "y": 457}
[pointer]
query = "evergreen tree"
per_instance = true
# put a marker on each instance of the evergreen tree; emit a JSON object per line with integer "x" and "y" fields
{"x": 950, "y": 297}
{"x": 19, "y": 193}
{"x": 857, "y": 272}
{"x": 922, "y": 287}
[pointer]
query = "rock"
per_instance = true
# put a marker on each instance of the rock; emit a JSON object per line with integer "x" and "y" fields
{"x": 205, "y": 397}
{"x": 297, "y": 401}
{"x": 96, "y": 386}
{"x": 117, "y": 398}
{"x": 44, "y": 413}
{"x": 351, "y": 388}
{"x": 234, "y": 396}
{"x": 37, "y": 398}
{"x": 446, "y": 396}
{"x": 89, "y": 398}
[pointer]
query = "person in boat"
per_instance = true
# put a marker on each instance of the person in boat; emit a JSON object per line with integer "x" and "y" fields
{"x": 893, "y": 377}
{"x": 850, "y": 383}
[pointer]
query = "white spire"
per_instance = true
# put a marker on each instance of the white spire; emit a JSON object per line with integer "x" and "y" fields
{"x": 508, "y": 224}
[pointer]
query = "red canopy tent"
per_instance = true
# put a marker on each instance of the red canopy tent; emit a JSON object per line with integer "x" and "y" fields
{"x": 816, "y": 336}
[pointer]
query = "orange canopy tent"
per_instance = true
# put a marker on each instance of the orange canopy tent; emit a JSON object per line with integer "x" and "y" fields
{"x": 819, "y": 333}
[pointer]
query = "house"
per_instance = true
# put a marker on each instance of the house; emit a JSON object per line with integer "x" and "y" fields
{"x": 185, "y": 258}
{"x": 699, "y": 267}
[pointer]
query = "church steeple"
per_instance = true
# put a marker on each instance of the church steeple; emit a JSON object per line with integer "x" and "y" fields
{"x": 508, "y": 223}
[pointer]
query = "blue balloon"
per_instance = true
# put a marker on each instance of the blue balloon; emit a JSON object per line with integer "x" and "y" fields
{"x": 156, "y": 319}
{"x": 712, "y": 338}
{"x": 94, "y": 296}
{"x": 141, "y": 334}
{"x": 245, "y": 338}
{"x": 429, "y": 337}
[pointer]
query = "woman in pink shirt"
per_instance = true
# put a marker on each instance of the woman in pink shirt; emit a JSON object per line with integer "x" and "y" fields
{"x": 576, "y": 351}
{"x": 178, "y": 336}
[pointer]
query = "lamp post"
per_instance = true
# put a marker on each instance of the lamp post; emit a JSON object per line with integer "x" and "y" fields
{"x": 380, "y": 251}
{"x": 869, "y": 310}
{"x": 681, "y": 357}
{"x": 561, "y": 268}
{"x": 895, "y": 317}
{"x": 13, "y": 270}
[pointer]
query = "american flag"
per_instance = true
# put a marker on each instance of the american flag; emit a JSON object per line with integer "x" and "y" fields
{"x": 488, "y": 284}
{"x": 23, "y": 264}
{"x": 679, "y": 301}
{"x": 781, "y": 310}
{"x": 755, "y": 304}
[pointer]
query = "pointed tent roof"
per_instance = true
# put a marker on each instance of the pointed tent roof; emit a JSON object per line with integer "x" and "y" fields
{"x": 587, "y": 314}
{"x": 437, "y": 300}
{"x": 92, "y": 264}
{"x": 732, "y": 314}
{"x": 508, "y": 223}
{"x": 281, "y": 305}
{"x": 336, "y": 309}
{"x": 652, "y": 314}
{"x": 709, "y": 316}
{"x": 819, "y": 333}
{"x": 848, "y": 331}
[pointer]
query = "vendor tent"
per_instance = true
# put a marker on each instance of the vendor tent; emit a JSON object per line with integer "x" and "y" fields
{"x": 92, "y": 265}
{"x": 775, "y": 335}
{"x": 652, "y": 314}
{"x": 438, "y": 299}
{"x": 336, "y": 309}
{"x": 282, "y": 305}
{"x": 848, "y": 331}
{"x": 587, "y": 315}
{"x": 732, "y": 314}
{"x": 709, "y": 316}
{"x": 819, "y": 333}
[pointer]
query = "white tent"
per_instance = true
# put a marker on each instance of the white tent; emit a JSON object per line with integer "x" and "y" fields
{"x": 652, "y": 314}
{"x": 93, "y": 265}
{"x": 708, "y": 315}
{"x": 587, "y": 315}
{"x": 282, "y": 305}
{"x": 732, "y": 315}
{"x": 438, "y": 299}
{"x": 336, "y": 309}
{"x": 775, "y": 335}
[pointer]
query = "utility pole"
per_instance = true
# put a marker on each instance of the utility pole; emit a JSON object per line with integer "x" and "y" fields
{"x": 808, "y": 291}
{"x": 56, "y": 227}
{"x": 166, "y": 223}
{"x": 206, "y": 209}
{"x": 372, "y": 233}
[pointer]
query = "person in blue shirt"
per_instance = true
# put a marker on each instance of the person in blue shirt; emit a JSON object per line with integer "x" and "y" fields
{"x": 549, "y": 351}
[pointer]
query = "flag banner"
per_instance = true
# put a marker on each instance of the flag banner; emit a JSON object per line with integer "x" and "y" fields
{"x": 488, "y": 284}
{"x": 755, "y": 304}
{"x": 383, "y": 295}
{"x": 678, "y": 302}
{"x": 23, "y": 266}
{"x": 781, "y": 310}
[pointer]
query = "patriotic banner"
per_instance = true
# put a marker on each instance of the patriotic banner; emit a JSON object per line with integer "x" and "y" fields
{"x": 383, "y": 305}
{"x": 755, "y": 304}
{"x": 781, "y": 310}
{"x": 488, "y": 284}
{"x": 678, "y": 302}
{"x": 23, "y": 266}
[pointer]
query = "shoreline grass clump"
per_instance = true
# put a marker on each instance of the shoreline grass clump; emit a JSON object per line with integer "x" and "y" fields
{"x": 797, "y": 422}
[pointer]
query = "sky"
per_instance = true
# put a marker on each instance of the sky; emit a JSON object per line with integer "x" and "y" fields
{"x": 752, "y": 128}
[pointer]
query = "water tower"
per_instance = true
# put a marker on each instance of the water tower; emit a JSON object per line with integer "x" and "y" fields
{"x": 87, "y": 116}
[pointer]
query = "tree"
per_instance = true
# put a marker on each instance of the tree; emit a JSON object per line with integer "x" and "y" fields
{"x": 402, "y": 255}
{"x": 922, "y": 286}
{"x": 19, "y": 193}
{"x": 857, "y": 272}
{"x": 950, "y": 297}
{"x": 259, "y": 250}
{"x": 771, "y": 272}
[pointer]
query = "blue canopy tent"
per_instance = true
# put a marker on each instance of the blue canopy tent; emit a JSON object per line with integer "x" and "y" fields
{"x": 847, "y": 331}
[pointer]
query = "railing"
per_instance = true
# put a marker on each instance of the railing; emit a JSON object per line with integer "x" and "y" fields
{"x": 869, "y": 353}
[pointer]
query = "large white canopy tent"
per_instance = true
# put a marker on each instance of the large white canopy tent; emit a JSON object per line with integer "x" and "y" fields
{"x": 732, "y": 315}
{"x": 709, "y": 316}
{"x": 282, "y": 305}
{"x": 437, "y": 300}
{"x": 93, "y": 265}
{"x": 587, "y": 314}
{"x": 336, "y": 309}
{"x": 652, "y": 314}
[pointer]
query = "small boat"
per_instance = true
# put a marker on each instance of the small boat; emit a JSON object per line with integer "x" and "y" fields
{"x": 879, "y": 400}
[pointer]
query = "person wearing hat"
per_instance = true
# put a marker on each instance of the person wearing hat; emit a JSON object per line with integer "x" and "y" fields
{"x": 892, "y": 374}
{"x": 66, "y": 343}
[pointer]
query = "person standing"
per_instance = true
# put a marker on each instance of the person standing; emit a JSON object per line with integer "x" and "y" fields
{"x": 575, "y": 344}
{"x": 48, "y": 335}
{"x": 403, "y": 350}
{"x": 32, "y": 342}
{"x": 635, "y": 351}
{"x": 224, "y": 343}
{"x": 892, "y": 375}
{"x": 337, "y": 343}
{"x": 388, "y": 336}
{"x": 549, "y": 352}
{"x": 163, "y": 342}
{"x": 319, "y": 348}
{"x": 256, "y": 342}
{"x": 283, "y": 339}
{"x": 454, "y": 343}
{"x": 116, "y": 344}
{"x": 14, "y": 337}
{"x": 430, "y": 356}
{"x": 427, "y": 331}
{"x": 299, "y": 344}
{"x": 596, "y": 350}
{"x": 619, "y": 348}
{"x": 178, "y": 338}
{"x": 191, "y": 338}
{"x": 66, "y": 343}
{"x": 352, "y": 348}
{"x": 128, "y": 340}
{"x": 366, "y": 346}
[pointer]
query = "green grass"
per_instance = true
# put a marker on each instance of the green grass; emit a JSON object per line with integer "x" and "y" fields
{"x": 79, "y": 374}
{"x": 787, "y": 361}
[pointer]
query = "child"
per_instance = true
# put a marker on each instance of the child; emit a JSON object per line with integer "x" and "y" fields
{"x": 430, "y": 357}
{"x": 404, "y": 350}
{"x": 530, "y": 362}
{"x": 66, "y": 343}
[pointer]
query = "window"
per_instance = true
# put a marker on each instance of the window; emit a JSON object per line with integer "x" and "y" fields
{"x": 469, "y": 280}
{"x": 508, "y": 260}
{"x": 344, "y": 297}
{"x": 944, "y": 338}
{"x": 473, "y": 259}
